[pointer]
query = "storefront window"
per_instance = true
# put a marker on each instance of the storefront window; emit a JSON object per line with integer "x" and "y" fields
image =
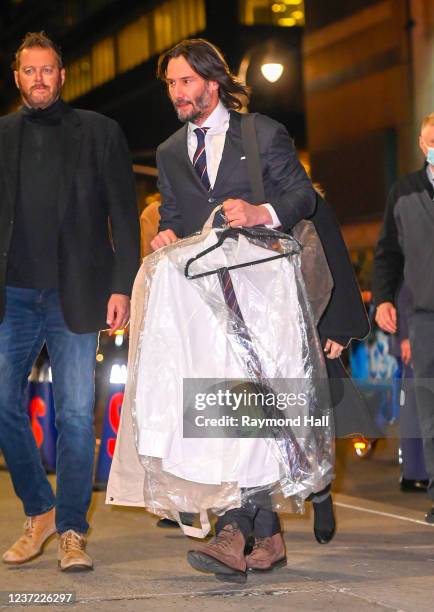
{"x": 103, "y": 61}
{"x": 78, "y": 78}
{"x": 175, "y": 20}
{"x": 134, "y": 43}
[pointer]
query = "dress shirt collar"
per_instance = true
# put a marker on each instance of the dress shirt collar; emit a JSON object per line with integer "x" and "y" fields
{"x": 217, "y": 122}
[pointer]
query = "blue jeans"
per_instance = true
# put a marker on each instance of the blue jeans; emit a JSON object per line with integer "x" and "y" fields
{"x": 32, "y": 317}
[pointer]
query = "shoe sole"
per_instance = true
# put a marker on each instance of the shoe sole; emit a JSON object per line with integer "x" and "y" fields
{"x": 75, "y": 568}
{"x": 37, "y": 554}
{"x": 233, "y": 578}
{"x": 208, "y": 565}
{"x": 274, "y": 566}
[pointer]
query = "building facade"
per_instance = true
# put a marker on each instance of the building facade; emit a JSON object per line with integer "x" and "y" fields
{"x": 368, "y": 77}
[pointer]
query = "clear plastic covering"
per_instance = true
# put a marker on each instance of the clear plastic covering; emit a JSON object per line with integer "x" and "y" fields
{"x": 227, "y": 384}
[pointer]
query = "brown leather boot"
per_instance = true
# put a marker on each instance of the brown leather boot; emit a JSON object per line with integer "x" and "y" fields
{"x": 37, "y": 530}
{"x": 222, "y": 556}
{"x": 267, "y": 554}
{"x": 72, "y": 555}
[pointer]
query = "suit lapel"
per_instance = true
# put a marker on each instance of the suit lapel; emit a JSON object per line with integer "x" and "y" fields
{"x": 231, "y": 152}
{"x": 71, "y": 139}
{"x": 11, "y": 138}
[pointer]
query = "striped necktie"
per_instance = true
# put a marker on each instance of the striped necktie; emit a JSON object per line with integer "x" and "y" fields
{"x": 199, "y": 158}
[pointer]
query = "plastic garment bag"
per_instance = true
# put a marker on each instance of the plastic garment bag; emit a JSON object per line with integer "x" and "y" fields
{"x": 233, "y": 323}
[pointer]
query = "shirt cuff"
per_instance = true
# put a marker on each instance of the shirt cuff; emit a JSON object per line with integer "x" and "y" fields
{"x": 275, "y": 219}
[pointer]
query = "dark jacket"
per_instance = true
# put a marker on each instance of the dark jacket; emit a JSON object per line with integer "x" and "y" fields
{"x": 185, "y": 203}
{"x": 98, "y": 247}
{"x": 344, "y": 318}
{"x": 405, "y": 248}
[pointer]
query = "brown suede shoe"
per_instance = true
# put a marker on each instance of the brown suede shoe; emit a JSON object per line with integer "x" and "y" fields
{"x": 37, "y": 530}
{"x": 267, "y": 554}
{"x": 72, "y": 555}
{"x": 222, "y": 556}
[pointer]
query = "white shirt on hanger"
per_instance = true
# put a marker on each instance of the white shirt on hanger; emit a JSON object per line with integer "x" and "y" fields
{"x": 183, "y": 338}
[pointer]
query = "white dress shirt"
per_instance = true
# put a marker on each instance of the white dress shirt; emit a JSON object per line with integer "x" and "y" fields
{"x": 183, "y": 337}
{"x": 217, "y": 124}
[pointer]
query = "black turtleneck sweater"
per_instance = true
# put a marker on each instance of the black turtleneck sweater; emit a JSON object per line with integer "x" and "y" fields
{"x": 32, "y": 260}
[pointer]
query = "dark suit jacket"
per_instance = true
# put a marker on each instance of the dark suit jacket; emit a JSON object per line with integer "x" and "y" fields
{"x": 344, "y": 318}
{"x": 186, "y": 204}
{"x": 96, "y": 188}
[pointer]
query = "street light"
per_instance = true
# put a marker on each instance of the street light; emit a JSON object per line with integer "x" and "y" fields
{"x": 272, "y": 71}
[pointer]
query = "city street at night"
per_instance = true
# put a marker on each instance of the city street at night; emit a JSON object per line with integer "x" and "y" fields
{"x": 217, "y": 305}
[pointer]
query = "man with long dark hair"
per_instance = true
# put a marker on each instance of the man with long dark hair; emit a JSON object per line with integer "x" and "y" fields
{"x": 204, "y": 94}
{"x": 200, "y": 166}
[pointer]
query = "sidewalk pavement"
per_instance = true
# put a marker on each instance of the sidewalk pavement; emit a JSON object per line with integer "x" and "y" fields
{"x": 382, "y": 558}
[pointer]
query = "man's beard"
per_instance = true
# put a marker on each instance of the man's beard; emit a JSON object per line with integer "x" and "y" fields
{"x": 199, "y": 105}
{"x": 30, "y": 101}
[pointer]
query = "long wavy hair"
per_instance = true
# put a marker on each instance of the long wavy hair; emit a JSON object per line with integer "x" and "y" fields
{"x": 207, "y": 60}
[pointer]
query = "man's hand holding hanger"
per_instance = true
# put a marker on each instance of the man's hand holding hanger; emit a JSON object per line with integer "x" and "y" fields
{"x": 163, "y": 238}
{"x": 239, "y": 213}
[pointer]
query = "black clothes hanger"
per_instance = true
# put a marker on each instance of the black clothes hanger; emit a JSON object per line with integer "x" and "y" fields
{"x": 234, "y": 232}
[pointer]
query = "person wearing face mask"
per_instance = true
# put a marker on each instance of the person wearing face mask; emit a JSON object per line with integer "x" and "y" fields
{"x": 405, "y": 252}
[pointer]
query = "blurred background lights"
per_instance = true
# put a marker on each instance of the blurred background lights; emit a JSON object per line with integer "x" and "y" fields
{"x": 272, "y": 72}
{"x": 297, "y": 14}
{"x": 286, "y": 22}
{"x": 118, "y": 374}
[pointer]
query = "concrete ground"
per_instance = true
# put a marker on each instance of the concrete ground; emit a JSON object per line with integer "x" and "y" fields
{"x": 382, "y": 557}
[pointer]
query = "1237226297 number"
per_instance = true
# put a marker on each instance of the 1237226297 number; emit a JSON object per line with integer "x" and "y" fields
{"x": 28, "y": 598}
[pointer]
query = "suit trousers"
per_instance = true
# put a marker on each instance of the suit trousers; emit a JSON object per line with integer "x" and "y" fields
{"x": 255, "y": 515}
{"x": 421, "y": 328}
